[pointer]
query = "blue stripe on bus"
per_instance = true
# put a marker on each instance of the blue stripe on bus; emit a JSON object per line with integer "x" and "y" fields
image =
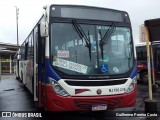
{"x": 134, "y": 71}
{"x": 50, "y": 72}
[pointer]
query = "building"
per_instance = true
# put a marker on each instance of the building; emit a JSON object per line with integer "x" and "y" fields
{"x": 7, "y": 53}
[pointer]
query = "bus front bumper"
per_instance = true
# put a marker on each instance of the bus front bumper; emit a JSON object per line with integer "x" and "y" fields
{"x": 54, "y": 102}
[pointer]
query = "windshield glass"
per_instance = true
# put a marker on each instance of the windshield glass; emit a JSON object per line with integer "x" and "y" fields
{"x": 75, "y": 53}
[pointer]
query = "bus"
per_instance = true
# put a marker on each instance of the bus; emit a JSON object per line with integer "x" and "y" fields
{"x": 80, "y": 58}
{"x": 149, "y": 33}
{"x": 142, "y": 61}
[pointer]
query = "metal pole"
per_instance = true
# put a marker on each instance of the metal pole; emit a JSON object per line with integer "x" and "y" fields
{"x": 152, "y": 65}
{"x": 10, "y": 64}
{"x": 149, "y": 65}
{"x": 17, "y": 12}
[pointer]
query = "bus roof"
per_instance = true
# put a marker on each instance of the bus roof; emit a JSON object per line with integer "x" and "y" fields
{"x": 88, "y": 12}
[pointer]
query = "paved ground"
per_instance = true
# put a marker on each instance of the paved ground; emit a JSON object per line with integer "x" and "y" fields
{"x": 14, "y": 97}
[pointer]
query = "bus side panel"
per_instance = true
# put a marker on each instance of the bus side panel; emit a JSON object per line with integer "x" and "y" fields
{"x": 28, "y": 73}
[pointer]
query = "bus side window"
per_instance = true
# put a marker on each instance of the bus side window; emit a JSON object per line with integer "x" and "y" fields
{"x": 26, "y": 51}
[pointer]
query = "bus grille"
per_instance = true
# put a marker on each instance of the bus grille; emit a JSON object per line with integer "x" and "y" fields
{"x": 87, "y": 104}
{"x": 95, "y": 83}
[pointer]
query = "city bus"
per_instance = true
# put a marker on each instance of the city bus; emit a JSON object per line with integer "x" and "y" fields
{"x": 80, "y": 58}
{"x": 142, "y": 61}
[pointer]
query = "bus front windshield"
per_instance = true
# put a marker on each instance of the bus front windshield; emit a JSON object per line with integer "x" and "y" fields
{"x": 83, "y": 49}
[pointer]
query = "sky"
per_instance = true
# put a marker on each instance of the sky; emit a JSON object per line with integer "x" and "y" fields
{"x": 30, "y": 12}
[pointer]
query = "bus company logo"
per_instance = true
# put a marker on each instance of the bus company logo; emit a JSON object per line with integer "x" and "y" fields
{"x": 98, "y": 77}
{"x": 99, "y": 91}
{"x": 78, "y": 91}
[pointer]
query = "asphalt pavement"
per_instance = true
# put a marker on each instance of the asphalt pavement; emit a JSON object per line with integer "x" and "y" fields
{"x": 15, "y": 98}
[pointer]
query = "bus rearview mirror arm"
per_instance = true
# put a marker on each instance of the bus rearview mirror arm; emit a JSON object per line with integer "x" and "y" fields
{"x": 44, "y": 29}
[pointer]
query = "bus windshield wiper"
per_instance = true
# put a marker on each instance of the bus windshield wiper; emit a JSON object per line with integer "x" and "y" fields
{"x": 105, "y": 38}
{"x": 82, "y": 35}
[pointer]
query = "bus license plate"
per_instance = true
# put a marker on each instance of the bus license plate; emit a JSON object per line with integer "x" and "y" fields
{"x": 99, "y": 107}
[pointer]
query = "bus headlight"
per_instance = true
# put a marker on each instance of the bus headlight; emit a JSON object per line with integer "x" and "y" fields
{"x": 134, "y": 80}
{"x": 132, "y": 85}
{"x": 130, "y": 88}
{"x": 57, "y": 88}
{"x": 52, "y": 82}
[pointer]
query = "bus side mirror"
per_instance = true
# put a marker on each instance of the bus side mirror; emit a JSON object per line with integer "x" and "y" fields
{"x": 44, "y": 29}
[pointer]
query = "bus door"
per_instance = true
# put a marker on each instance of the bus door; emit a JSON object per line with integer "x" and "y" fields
{"x": 157, "y": 61}
{"x": 39, "y": 68}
